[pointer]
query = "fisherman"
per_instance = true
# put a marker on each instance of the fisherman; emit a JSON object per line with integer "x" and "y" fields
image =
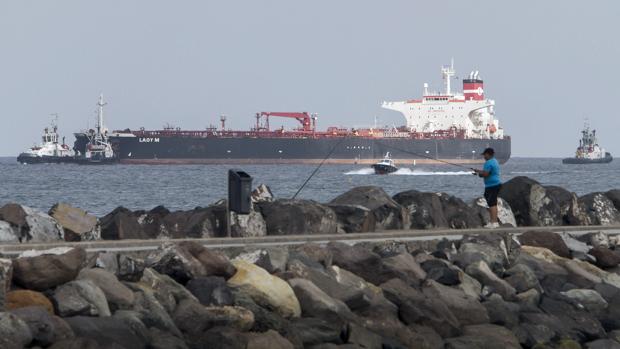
{"x": 492, "y": 184}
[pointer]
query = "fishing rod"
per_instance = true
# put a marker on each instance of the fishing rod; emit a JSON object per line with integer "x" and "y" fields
{"x": 423, "y": 156}
{"x": 319, "y": 166}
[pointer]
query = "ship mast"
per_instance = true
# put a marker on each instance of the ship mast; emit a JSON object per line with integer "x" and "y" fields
{"x": 100, "y": 104}
{"x": 448, "y": 73}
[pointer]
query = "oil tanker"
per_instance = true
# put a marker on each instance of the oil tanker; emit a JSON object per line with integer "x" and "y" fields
{"x": 448, "y": 125}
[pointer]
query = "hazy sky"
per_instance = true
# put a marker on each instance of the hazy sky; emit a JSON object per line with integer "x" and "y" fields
{"x": 548, "y": 64}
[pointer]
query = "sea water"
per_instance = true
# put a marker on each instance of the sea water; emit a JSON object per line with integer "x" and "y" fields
{"x": 99, "y": 189}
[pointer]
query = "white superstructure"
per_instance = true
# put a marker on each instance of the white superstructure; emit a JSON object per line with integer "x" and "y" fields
{"x": 99, "y": 147}
{"x": 470, "y": 111}
{"x": 49, "y": 148}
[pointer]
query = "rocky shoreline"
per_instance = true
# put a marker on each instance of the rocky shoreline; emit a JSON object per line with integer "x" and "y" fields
{"x": 536, "y": 290}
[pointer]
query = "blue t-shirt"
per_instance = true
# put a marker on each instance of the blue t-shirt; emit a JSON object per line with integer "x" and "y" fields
{"x": 492, "y": 167}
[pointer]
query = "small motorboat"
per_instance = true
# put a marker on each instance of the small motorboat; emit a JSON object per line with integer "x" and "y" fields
{"x": 385, "y": 166}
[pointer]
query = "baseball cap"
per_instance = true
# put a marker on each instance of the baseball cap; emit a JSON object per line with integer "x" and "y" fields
{"x": 489, "y": 151}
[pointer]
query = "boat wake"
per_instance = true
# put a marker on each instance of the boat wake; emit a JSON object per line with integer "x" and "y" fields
{"x": 410, "y": 172}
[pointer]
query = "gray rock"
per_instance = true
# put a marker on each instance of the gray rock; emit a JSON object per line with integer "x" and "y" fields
{"x": 417, "y": 308}
{"x": 78, "y": 224}
{"x": 354, "y": 218}
{"x": 484, "y": 337}
{"x": 8, "y": 233}
{"x": 270, "y": 339}
{"x": 193, "y": 319}
{"x": 316, "y": 303}
{"x": 481, "y": 272}
{"x": 540, "y": 328}
{"x": 504, "y": 212}
{"x": 388, "y": 214}
{"x": 6, "y": 276}
{"x": 42, "y": 270}
{"x": 589, "y": 299}
{"x": 150, "y": 311}
{"x": 467, "y": 310}
{"x": 14, "y": 332}
{"x": 605, "y": 258}
{"x": 82, "y": 343}
{"x": 62, "y": 330}
{"x": 165, "y": 289}
{"x": 126, "y": 268}
{"x": 580, "y": 324}
{"x": 247, "y": 225}
{"x": 546, "y": 239}
{"x": 272, "y": 259}
{"x": 117, "y": 294}
{"x": 40, "y": 323}
{"x": 363, "y": 338}
{"x": 221, "y": 338}
{"x": 293, "y": 217}
{"x": 262, "y": 193}
{"x": 502, "y": 313}
{"x": 30, "y": 225}
{"x": 187, "y": 260}
{"x": 80, "y": 297}
{"x": 163, "y": 340}
{"x": 599, "y": 209}
{"x": 522, "y": 278}
{"x": 530, "y": 202}
{"x": 357, "y": 260}
{"x": 425, "y": 210}
{"x": 211, "y": 290}
{"x": 121, "y": 223}
{"x": 529, "y": 299}
{"x": 316, "y": 331}
{"x": 403, "y": 266}
{"x": 107, "y": 332}
{"x": 441, "y": 271}
{"x": 602, "y": 344}
{"x": 575, "y": 246}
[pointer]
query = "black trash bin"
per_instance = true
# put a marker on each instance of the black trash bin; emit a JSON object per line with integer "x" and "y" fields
{"x": 239, "y": 191}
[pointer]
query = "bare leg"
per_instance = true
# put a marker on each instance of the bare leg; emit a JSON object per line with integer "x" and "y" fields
{"x": 493, "y": 214}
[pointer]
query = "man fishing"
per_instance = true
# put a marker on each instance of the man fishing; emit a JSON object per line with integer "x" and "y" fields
{"x": 492, "y": 184}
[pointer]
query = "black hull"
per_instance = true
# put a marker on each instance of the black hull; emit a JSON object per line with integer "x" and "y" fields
{"x": 577, "y": 161}
{"x": 45, "y": 159}
{"x": 183, "y": 150}
{"x": 384, "y": 169}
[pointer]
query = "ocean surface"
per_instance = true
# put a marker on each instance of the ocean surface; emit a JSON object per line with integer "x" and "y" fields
{"x": 100, "y": 189}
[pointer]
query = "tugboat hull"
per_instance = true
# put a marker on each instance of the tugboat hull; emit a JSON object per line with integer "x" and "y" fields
{"x": 26, "y": 158}
{"x": 582, "y": 161}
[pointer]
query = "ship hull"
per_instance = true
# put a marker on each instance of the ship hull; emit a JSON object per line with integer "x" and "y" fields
{"x": 580, "y": 161}
{"x": 259, "y": 150}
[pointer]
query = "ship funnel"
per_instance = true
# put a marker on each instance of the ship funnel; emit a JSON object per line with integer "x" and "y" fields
{"x": 473, "y": 88}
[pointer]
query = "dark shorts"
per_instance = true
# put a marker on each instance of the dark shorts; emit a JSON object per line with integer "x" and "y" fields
{"x": 490, "y": 195}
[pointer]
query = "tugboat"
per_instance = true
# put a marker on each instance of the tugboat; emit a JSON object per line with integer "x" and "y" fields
{"x": 50, "y": 150}
{"x": 98, "y": 150}
{"x": 589, "y": 152}
{"x": 385, "y": 166}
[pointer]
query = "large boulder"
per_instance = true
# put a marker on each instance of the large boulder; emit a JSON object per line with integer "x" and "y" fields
{"x": 187, "y": 260}
{"x": 80, "y": 297}
{"x": 265, "y": 289}
{"x": 107, "y": 332}
{"x": 270, "y": 339}
{"x": 605, "y": 258}
{"x": 546, "y": 239}
{"x": 40, "y": 322}
{"x": 599, "y": 209}
{"x": 354, "y": 218}
{"x": 247, "y": 225}
{"x": 468, "y": 310}
{"x": 458, "y": 214}
{"x": 387, "y": 212}
{"x": 485, "y": 336}
{"x": 424, "y": 209}
{"x": 168, "y": 292}
{"x": 118, "y": 295}
{"x": 272, "y": 259}
{"x": 530, "y": 202}
{"x": 26, "y": 298}
{"x": 358, "y": 260}
{"x": 316, "y": 303}
{"x": 571, "y": 211}
{"x": 504, "y": 212}
{"x": 29, "y": 225}
{"x": 126, "y": 268}
{"x": 415, "y": 307}
{"x": 121, "y": 224}
{"x": 8, "y": 233}
{"x": 150, "y": 311}
{"x": 211, "y": 290}
{"x": 78, "y": 224}
{"x": 481, "y": 272}
{"x": 41, "y": 270}
{"x": 614, "y": 196}
{"x": 193, "y": 319}
{"x": 296, "y": 217}
{"x": 14, "y": 332}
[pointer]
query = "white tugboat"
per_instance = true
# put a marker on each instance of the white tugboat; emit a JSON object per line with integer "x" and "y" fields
{"x": 589, "y": 152}
{"x": 98, "y": 149}
{"x": 50, "y": 150}
{"x": 385, "y": 166}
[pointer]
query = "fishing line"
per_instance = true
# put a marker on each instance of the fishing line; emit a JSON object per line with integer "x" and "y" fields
{"x": 423, "y": 155}
{"x": 319, "y": 166}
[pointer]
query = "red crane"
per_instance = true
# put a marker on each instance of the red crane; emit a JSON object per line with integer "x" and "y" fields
{"x": 308, "y": 122}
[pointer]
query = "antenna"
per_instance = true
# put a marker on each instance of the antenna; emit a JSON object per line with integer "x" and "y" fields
{"x": 448, "y": 73}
